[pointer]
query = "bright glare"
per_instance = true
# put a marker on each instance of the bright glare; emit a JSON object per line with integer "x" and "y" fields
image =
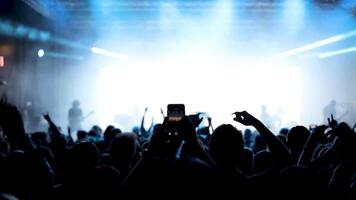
{"x": 219, "y": 91}
{"x": 40, "y": 53}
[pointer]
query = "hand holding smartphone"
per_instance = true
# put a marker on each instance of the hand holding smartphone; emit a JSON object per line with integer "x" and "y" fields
{"x": 175, "y": 112}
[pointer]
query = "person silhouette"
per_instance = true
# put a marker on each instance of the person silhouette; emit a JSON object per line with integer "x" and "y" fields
{"x": 31, "y": 117}
{"x": 75, "y": 116}
{"x": 266, "y": 118}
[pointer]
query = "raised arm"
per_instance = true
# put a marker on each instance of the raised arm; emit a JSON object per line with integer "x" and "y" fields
{"x": 53, "y": 128}
{"x": 13, "y": 127}
{"x": 316, "y": 136}
{"x": 276, "y": 147}
{"x": 191, "y": 140}
{"x": 142, "y": 127}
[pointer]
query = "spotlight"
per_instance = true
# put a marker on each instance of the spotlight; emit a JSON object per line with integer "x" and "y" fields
{"x": 40, "y": 53}
{"x": 337, "y": 52}
{"x": 111, "y": 54}
{"x": 315, "y": 45}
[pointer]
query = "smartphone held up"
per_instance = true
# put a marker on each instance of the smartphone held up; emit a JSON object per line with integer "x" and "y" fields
{"x": 175, "y": 112}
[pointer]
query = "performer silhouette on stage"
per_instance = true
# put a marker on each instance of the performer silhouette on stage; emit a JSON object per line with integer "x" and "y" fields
{"x": 272, "y": 122}
{"x": 75, "y": 116}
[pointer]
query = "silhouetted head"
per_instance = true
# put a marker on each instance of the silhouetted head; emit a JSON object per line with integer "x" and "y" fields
{"x": 296, "y": 139}
{"x": 81, "y": 135}
{"x": 136, "y": 130}
{"x": 59, "y": 143}
{"x": 343, "y": 130}
{"x": 75, "y": 104}
{"x": 248, "y": 137}
{"x": 92, "y": 133}
{"x": 123, "y": 149}
{"x": 15, "y": 174}
{"x": 333, "y": 102}
{"x": 262, "y": 161}
{"x": 83, "y": 154}
{"x": 110, "y": 133}
{"x": 247, "y": 133}
{"x": 284, "y": 131}
{"x": 97, "y": 129}
{"x": 226, "y": 147}
{"x": 259, "y": 144}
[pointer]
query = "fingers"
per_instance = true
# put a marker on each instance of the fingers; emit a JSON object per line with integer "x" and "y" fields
{"x": 239, "y": 119}
{"x": 242, "y": 113}
{"x": 236, "y": 113}
{"x": 162, "y": 113}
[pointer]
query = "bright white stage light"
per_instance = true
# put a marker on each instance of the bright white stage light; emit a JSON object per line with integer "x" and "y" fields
{"x": 217, "y": 90}
{"x": 338, "y": 52}
{"x": 104, "y": 52}
{"x": 315, "y": 45}
{"x": 40, "y": 53}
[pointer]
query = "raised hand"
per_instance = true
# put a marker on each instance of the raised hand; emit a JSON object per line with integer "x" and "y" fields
{"x": 332, "y": 122}
{"x": 277, "y": 148}
{"x": 12, "y": 125}
{"x": 52, "y": 126}
{"x": 46, "y": 117}
{"x": 162, "y": 113}
{"x": 196, "y": 119}
{"x": 69, "y": 131}
{"x": 245, "y": 118}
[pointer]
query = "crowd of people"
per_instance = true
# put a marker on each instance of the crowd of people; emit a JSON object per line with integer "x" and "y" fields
{"x": 177, "y": 159}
